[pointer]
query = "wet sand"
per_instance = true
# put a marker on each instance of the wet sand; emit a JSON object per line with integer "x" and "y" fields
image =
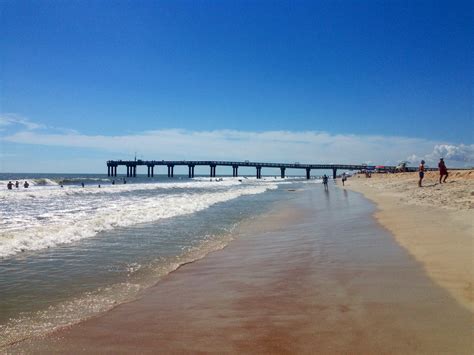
{"x": 317, "y": 275}
{"x": 433, "y": 223}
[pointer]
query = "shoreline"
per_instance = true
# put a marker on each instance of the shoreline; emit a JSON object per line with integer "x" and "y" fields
{"x": 316, "y": 273}
{"x": 433, "y": 225}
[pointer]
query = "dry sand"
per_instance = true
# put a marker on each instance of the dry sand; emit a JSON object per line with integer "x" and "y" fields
{"x": 434, "y": 223}
{"x": 318, "y": 275}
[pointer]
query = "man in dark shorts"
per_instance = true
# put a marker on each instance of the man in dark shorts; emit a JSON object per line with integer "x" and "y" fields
{"x": 421, "y": 172}
{"x": 443, "y": 170}
{"x": 325, "y": 182}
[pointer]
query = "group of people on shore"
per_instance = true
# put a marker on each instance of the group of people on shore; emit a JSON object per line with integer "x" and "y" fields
{"x": 17, "y": 185}
{"x": 443, "y": 172}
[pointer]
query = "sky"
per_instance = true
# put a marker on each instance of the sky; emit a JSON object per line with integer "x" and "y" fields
{"x": 333, "y": 81}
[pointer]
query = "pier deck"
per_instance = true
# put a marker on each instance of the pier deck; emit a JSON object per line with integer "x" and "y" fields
{"x": 131, "y": 166}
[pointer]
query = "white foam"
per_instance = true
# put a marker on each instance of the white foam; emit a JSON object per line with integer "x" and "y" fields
{"x": 43, "y": 219}
{"x": 55, "y": 191}
{"x": 88, "y": 304}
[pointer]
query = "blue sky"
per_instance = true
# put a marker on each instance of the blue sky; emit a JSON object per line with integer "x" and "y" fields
{"x": 314, "y": 81}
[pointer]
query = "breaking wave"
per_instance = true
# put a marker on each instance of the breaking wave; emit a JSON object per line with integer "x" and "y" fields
{"x": 44, "y": 218}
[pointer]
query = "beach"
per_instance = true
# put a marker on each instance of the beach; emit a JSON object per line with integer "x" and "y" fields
{"x": 236, "y": 177}
{"x": 315, "y": 274}
{"x": 433, "y": 223}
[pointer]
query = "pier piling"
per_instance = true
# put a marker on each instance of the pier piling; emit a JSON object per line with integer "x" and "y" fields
{"x": 213, "y": 171}
{"x": 190, "y": 171}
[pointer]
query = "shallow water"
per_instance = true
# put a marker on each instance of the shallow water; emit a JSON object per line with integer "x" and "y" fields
{"x": 72, "y": 252}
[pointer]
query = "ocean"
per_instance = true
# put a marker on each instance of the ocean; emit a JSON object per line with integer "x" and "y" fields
{"x": 69, "y": 252}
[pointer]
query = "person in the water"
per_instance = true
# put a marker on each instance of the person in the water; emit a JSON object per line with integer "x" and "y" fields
{"x": 10, "y": 185}
{"x": 26, "y": 185}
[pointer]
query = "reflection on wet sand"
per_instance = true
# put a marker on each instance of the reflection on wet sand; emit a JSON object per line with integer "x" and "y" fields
{"x": 309, "y": 277}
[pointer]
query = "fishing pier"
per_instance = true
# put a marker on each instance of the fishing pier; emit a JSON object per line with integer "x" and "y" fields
{"x": 131, "y": 167}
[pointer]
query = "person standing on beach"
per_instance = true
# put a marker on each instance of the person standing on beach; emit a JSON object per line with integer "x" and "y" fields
{"x": 344, "y": 178}
{"x": 421, "y": 172}
{"x": 325, "y": 182}
{"x": 443, "y": 170}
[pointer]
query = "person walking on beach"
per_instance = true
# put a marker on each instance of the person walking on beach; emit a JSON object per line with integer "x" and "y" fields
{"x": 325, "y": 182}
{"x": 443, "y": 170}
{"x": 344, "y": 178}
{"x": 421, "y": 172}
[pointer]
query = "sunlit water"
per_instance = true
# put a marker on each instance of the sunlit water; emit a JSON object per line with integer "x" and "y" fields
{"x": 70, "y": 252}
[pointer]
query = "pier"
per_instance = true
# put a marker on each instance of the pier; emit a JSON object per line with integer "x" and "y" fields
{"x": 131, "y": 167}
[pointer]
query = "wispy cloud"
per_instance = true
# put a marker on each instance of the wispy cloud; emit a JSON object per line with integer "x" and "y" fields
{"x": 10, "y": 119}
{"x": 276, "y": 146}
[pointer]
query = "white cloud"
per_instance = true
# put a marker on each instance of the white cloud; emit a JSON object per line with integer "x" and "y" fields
{"x": 461, "y": 153}
{"x": 458, "y": 155}
{"x": 272, "y": 146}
{"x": 413, "y": 159}
{"x": 267, "y": 146}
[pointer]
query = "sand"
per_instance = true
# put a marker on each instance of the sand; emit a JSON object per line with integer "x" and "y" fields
{"x": 433, "y": 223}
{"x": 315, "y": 275}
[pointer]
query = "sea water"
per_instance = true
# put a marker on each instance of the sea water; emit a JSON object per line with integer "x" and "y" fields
{"x": 69, "y": 252}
